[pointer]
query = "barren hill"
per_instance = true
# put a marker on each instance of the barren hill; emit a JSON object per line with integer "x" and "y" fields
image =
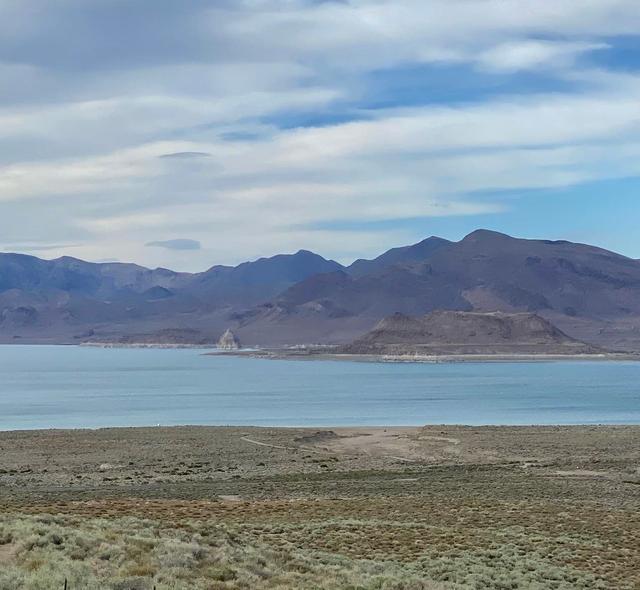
{"x": 457, "y": 332}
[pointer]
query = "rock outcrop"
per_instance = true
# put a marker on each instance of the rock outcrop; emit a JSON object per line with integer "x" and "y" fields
{"x": 458, "y": 332}
{"x": 228, "y": 341}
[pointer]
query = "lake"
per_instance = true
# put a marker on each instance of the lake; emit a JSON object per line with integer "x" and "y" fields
{"x": 82, "y": 387}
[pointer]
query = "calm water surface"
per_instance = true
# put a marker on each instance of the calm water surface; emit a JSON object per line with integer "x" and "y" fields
{"x": 71, "y": 387}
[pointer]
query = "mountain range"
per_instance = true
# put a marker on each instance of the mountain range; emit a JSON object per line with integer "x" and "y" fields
{"x": 589, "y": 293}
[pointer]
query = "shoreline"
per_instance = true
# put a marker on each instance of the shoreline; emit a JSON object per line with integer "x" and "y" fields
{"x": 316, "y": 354}
{"x": 302, "y": 355}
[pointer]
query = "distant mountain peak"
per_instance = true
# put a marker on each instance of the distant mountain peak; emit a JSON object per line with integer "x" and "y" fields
{"x": 486, "y": 234}
{"x": 418, "y": 252}
{"x": 432, "y": 239}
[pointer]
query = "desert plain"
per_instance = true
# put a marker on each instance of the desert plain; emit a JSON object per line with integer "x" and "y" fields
{"x": 435, "y": 507}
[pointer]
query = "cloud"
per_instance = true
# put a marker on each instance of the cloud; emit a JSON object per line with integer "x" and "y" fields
{"x": 124, "y": 123}
{"x": 533, "y": 53}
{"x": 28, "y": 247}
{"x": 177, "y": 244}
{"x": 186, "y": 155}
{"x": 405, "y": 163}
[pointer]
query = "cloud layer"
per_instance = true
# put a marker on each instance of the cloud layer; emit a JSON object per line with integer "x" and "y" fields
{"x": 255, "y": 126}
{"x": 176, "y": 244}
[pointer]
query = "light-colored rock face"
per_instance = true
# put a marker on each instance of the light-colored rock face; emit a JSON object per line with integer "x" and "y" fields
{"x": 228, "y": 341}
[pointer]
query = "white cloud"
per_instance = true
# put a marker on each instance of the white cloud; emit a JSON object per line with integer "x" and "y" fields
{"x": 90, "y": 107}
{"x": 532, "y": 54}
{"x": 423, "y": 162}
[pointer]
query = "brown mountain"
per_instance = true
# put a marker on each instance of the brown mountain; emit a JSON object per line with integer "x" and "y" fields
{"x": 255, "y": 282}
{"x": 591, "y": 294}
{"x": 460, "y": 332}
{"x": 70, "y": 300}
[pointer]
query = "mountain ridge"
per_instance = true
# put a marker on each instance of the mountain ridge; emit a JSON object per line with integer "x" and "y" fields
{"x": 403, "y": 254}
{"x": 589, "y": 292}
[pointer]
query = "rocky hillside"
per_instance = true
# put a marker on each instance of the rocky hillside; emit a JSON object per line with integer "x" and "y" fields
{"x": 589, "y": 293}
{"x": 67, "y": 300}
{"x": 458, "y": 332}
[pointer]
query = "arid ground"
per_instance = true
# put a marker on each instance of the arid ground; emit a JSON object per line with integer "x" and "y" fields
{"x": 437, "y": 507}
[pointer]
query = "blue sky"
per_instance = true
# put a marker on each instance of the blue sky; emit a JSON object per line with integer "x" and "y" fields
{"x": 342, "y": 127}
{"x": 575, "y": 213}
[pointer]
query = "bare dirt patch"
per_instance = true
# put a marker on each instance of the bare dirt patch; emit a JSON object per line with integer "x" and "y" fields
{"x": 395, "y": 443}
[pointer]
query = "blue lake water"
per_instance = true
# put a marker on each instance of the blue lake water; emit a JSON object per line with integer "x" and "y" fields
{"x": 71, "y": 387}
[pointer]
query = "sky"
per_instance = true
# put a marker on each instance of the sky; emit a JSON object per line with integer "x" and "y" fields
{"x": 188, "y": 133}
